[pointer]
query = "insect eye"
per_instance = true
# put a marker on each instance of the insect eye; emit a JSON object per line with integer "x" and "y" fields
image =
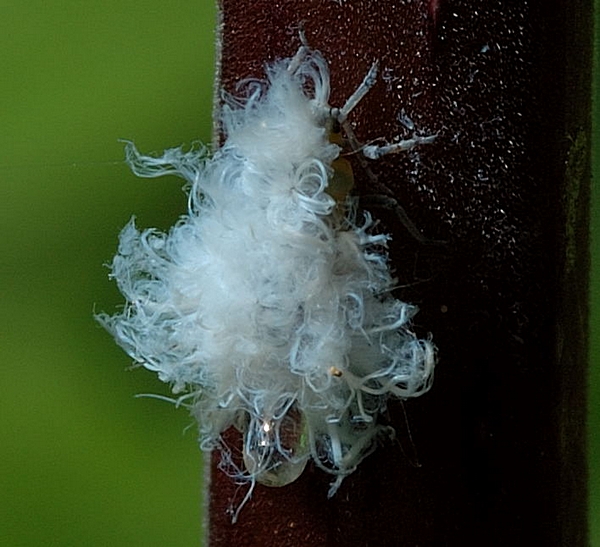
{"x": 336, "y": 127}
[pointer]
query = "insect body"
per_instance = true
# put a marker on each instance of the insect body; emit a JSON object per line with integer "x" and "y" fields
{"x": 268, "y": 306}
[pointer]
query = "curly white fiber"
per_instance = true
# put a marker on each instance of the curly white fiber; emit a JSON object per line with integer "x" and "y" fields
{"x": 268, "y": 305}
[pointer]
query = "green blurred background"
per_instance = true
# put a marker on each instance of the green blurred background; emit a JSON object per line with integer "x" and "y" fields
{"x": 82, "y": 462}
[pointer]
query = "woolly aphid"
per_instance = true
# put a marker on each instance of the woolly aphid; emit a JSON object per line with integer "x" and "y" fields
{"x": 268, "y": 306}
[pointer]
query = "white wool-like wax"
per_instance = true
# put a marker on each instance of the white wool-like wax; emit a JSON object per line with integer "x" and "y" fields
{"x": 268, "y": 306}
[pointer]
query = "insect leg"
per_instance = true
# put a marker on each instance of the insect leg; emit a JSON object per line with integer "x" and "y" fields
{"x": 367, "y": 83}
{"x": 375, "y": 151}
{"x": 391, "y": 204}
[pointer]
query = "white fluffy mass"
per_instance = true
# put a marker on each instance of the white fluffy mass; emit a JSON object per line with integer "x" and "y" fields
{"x": 268, "y": 306}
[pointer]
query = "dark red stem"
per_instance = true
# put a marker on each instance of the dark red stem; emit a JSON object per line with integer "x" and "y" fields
{"x": 501, "y": 436}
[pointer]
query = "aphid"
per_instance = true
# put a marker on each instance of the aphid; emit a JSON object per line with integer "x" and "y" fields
{"x": 268, "y": 306}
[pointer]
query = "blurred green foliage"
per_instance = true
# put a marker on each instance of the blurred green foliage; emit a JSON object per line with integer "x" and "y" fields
{"x": 83, "y": 462}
